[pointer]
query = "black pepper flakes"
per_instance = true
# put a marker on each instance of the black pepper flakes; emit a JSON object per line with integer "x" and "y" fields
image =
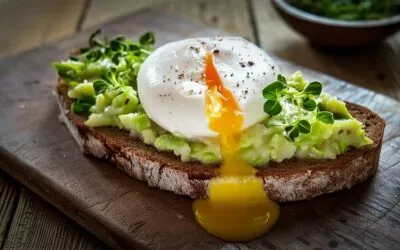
{"x": 195, "y": 49}
{"x": 242, "y": 64}
{"x": 250, "y": 63}
{"x": 216, "y": 51}
{"x": 180, "y": 76}
{"x": 232, "y": 74}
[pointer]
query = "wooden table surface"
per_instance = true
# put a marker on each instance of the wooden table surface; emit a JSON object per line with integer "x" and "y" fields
{"x": 26, "y": 221}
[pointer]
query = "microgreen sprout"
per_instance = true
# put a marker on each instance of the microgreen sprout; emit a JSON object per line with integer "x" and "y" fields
{"x": 108, "y": 64}
{"x": 280, "y": 92}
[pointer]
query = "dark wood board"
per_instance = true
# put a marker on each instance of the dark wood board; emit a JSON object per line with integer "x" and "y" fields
{"x": 39, "y": 152}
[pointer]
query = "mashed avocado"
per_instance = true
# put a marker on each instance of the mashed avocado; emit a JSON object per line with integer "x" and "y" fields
{"x": 302, "y": 121}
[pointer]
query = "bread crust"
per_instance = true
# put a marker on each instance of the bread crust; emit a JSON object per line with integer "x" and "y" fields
{"x": 290, "y": 180}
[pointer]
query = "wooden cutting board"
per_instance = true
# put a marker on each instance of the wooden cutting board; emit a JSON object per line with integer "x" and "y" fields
{"x": 39, "y": 152}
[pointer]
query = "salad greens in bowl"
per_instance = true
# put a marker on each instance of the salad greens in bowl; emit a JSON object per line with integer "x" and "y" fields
{"x": 341, "y": 23}
{"x": 349, "y": 10}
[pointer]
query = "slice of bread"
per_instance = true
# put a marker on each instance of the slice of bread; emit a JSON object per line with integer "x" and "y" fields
{"x": 290, "y": 180}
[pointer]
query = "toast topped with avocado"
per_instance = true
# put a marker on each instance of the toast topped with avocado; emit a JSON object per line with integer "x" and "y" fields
{"x": 147, "y": 112}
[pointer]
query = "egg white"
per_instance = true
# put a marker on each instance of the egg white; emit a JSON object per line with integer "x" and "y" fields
{"x": 171, "y": 83}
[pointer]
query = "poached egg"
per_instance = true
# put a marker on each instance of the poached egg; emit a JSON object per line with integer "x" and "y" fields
{"x": 172, "y": 87}
{"x": 206, "y": 103}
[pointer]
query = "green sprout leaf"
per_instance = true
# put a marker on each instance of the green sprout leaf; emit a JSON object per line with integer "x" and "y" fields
{"x": 313, "y": 88}
{"x": 134, "y": 47}
{"x": 100, "y": 86}
{"x": 147, "y": 39}
{"x": 304, "y": 126}
{"x": 293, "y": 132}
{"x": 94, "y": 41}
{"x": 81, "y": 107}
{"x": 117, "y": 45}
{"x": 94, "y": 55}
{"x": 282, "y": 79}
{"x": 272, "y": 91}
{"x": 309, "y": 104}
{"x": 288, "y": 128}
{"x": 325, "y": 117}
{"x": 272, "y": 107}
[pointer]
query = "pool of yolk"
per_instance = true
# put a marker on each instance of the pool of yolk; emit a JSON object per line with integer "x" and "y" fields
{"x": 237, "y": 208}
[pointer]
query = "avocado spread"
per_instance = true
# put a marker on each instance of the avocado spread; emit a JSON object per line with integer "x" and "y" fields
{"x": 302, "y": 121}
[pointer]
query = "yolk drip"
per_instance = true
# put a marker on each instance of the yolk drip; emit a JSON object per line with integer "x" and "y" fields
{"x": 237, "y": 208}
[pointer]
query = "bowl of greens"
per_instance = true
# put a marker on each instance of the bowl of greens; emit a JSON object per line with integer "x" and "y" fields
{"x": 341, "y": 23}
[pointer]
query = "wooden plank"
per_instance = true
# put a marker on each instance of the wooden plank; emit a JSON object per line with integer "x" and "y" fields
{"x": 127, "y": 213}
{"x": 27, "y": 24}
{"x": 209, "y": 12}
{"x": 9, "y": 194}
{"x": 373, "y": 68}
{"x": 37, "y": 225}
{"x": 101, "y": 11}
{"x": 230, "y": 16}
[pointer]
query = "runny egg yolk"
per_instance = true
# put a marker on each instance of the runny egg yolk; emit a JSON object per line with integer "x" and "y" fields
{"x": 237, "y": 208}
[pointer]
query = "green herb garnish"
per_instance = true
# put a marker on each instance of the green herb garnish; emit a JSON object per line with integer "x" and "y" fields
{"x": 280, "y": 94}
{"x": 326, "y": 117}
{"x": 313, "y": 88}
{"x": 272, "y": 107}
{"x": 81, "y": 106}
{"x": 309, "y": 104}
{"x": 107, "y": 64}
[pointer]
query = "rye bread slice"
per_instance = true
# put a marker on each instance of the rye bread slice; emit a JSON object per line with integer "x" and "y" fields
{"x": 290, "y": 180}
